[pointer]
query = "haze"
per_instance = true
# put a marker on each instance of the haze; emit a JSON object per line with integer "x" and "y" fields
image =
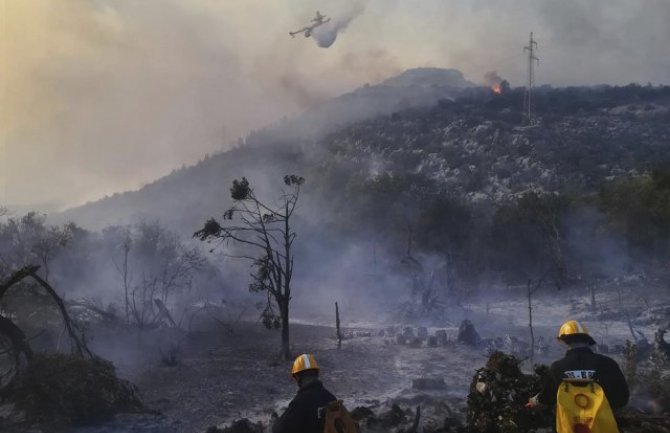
{"x": 102, "y": 96}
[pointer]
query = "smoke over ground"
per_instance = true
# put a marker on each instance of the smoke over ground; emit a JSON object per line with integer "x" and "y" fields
{"x": 104, "y": 96}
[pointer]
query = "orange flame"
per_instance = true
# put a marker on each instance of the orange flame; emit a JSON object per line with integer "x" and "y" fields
{"x": 497, "y": 88}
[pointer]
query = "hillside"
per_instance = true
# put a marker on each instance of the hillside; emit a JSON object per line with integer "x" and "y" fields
{"x": 464, "y": 141}
{"x": 176, "y": 198}
{"x": 475, "y": 148}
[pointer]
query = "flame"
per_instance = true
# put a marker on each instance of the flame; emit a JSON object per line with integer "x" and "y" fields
{"x": 497, "y": 88}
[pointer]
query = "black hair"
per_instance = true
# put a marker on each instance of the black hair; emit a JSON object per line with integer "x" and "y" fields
{"x": 578, "y": 338}
{"x": 305, "y": 374}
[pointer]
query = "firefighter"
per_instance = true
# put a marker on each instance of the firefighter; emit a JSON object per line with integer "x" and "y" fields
{"x": 306, "y": 412}
{"x": 582, "y": 383}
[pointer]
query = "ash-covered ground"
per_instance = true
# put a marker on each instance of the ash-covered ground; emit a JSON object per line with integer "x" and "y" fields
{"x": 223, "y": 374}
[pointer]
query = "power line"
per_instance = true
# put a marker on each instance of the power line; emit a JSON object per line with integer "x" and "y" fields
{"x": 528, "y": 108}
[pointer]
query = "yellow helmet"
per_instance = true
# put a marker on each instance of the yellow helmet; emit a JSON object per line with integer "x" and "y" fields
{"x": 573, "y": 327}
{"x": 304, "y": 362}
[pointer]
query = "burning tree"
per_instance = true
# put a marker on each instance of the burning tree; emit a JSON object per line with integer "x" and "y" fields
{"x": 268, "y": 229}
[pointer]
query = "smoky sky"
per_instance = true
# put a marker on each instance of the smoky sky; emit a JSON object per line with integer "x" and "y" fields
{"x": 101, "y": 96}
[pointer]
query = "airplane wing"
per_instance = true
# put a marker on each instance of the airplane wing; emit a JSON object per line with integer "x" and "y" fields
{"x": 302, "y": 30}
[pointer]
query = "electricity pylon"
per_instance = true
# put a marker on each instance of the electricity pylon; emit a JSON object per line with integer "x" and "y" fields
{"x": 528, "y": 113}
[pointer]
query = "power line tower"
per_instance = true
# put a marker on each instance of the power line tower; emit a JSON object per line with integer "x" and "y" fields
{"x": 528, "y": 113}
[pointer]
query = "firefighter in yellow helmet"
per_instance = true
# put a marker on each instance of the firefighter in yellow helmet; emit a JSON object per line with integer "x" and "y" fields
{"x": 583, "y": 381}
{"x": 305, "y": 413}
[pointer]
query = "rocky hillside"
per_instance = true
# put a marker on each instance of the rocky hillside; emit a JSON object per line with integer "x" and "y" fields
{"x": 465, "y": 141}
{"x": 476, "y": 148}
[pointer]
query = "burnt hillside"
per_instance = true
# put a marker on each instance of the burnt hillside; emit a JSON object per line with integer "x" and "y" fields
{"x": 470, "y": 145}
{"x": 474, "y": 146}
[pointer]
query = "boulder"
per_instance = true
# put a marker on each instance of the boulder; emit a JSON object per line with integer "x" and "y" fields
{"x": 429, "y": 383}
{"x": 441, "y": 336}
{"x": 239, "y": 426}
{"x": 467, "y": 334}
{"x": 360, "y": 413}
{"x": 415, "y": 342}
{"x": 661, "y": 346}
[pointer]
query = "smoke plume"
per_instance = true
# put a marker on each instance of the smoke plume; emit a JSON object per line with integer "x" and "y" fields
{"x": 326, "y": 35}
{"x": 492, "y": 78}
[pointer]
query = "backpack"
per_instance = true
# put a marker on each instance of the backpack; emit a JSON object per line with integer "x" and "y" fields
{"x": 582, "y": 407}
{"x": 338, "y": 419}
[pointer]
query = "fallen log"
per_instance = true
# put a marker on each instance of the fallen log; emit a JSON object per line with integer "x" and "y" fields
{"x": 106, "y": 315}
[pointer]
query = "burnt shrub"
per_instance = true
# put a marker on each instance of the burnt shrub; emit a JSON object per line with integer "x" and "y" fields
{"x": 67, "y": 389}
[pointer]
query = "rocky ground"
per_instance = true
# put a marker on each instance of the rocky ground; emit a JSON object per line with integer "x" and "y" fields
{"x": 222, "y": 377}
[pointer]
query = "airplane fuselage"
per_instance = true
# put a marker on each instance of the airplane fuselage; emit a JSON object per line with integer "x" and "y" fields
{"x": 307, "y": 31}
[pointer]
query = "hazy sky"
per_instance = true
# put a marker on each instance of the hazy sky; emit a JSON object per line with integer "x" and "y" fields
{"x": 100, "y": 96}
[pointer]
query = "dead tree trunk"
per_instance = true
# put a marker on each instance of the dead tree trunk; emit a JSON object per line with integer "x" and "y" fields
{"x": 337, "y": 326}
{"x": 31, "y": 271}
{"x": 283, "y": 314}
{"x": 593, "y": 297}
{"x": 164, "y": 313}
{"x": 80, "y": 344}
{"x": 630, "y": 327}
{"x": 13, "y": 347}
{"x": 530, "y": 322}
{"x": 17, "y": 337}
{"x": 417, "y": 420}
{"x": 124, "y": 274}
{"x": 531, "y": 291}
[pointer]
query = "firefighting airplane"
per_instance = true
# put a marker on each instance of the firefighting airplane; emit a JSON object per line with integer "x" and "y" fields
{"x": 318, "y": 20}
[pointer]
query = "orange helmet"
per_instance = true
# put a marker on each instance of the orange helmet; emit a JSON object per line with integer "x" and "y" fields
{"x": 573, "y": 327}
{"x": 304, "y": 362}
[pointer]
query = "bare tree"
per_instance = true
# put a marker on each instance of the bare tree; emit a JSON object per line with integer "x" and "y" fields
{"x": 46, "y": 246}
{"x": 164, "y": 266}
{"x": 28, "y": 239}
{"x": 528, "y": 230}
{"x": 122, "y": 269}
{"x": 268, "y": 229}
{"x": 531, "y": 288}
{"x": 337, "y": 326}
{"x": 422, "y": 277}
